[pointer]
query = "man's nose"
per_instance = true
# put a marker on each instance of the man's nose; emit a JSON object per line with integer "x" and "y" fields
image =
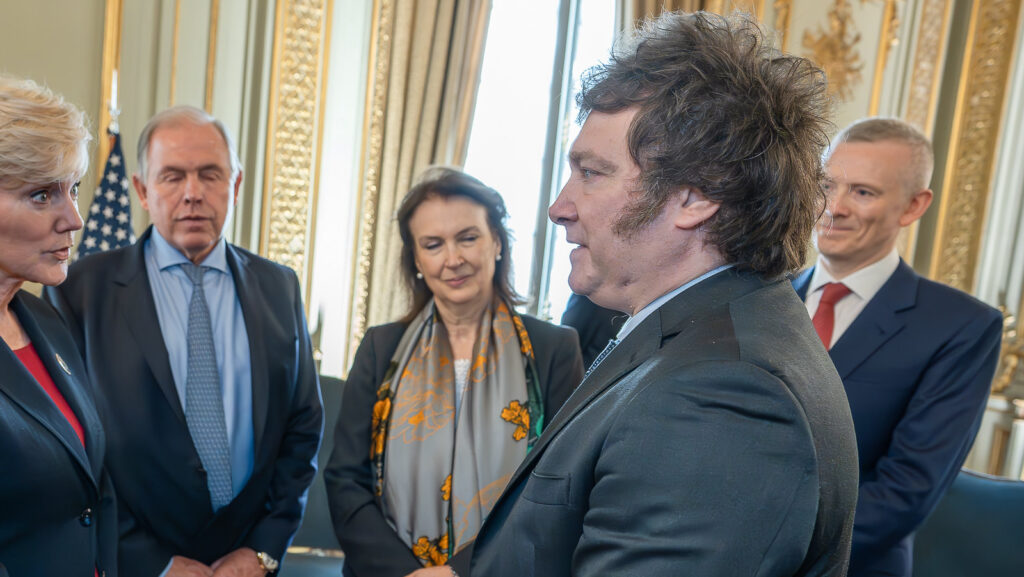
{"x": 563, "y": 210}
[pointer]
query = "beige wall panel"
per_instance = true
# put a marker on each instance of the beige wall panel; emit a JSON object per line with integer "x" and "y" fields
{"x": 60, "y": 44}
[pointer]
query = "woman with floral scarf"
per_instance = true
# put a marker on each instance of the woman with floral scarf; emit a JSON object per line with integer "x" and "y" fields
{"x": 441, "y": 407}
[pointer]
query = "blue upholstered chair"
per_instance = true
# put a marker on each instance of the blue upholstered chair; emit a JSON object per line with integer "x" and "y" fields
{"x": 315, "y": 551}
{"x": 977, "y": 530}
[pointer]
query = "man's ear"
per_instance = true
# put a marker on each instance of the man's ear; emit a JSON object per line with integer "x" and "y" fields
{"x": 140, "y": 190}
{"x": 919, "y": 203}
{"x": 238, "y": 187}
{"x": 691, "y": 208}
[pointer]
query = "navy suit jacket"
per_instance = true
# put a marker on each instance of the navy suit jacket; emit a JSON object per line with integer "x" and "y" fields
{"x": 57, "y": 510}
{"x": 917, "y": 364}
{"x": 163, "y": 499}
{"x": 714, "y": 440}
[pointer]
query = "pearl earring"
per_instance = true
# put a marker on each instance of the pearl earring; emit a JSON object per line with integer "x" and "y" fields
{"x": 499, "y": 257}
{"x": 419, "y": 275}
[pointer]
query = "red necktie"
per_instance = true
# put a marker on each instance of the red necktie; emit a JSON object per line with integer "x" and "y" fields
{"x": 825, "y": 317}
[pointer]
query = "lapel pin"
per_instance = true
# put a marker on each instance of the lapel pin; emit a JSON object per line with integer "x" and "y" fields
{"x": 62, "y": 364}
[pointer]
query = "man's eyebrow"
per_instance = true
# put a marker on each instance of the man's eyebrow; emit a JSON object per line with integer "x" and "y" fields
{"x": 578, "y": 157}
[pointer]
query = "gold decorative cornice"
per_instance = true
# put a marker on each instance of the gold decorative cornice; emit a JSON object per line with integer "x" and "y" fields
{"x": 373, "y": 143}
{"x": 923, "y": 93}
{"x": 298, "y": 77}
{"x": 976, "y": 122}
{"x": 835, "y": 50}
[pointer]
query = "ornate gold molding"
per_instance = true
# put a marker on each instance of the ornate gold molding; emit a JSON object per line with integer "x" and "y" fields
{"x": 175, "y": 33}
{"x": 976, "y": 122}
{"x": 835, "y": 50}
{"x": 923, "y": 90}
{"x": 111, "y": 64}
{"x": 373, "y": 143}
{"x": 923, "y": 93}
{"x": 887, "y": 40}
{"x": 211, "y": 54}
{"x": 298, "y": 78}
{"x": 782, "y": 17}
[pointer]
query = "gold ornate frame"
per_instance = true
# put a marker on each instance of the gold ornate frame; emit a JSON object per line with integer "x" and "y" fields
{"x": 972, "y": 150}
{"x": 295, "y": 123}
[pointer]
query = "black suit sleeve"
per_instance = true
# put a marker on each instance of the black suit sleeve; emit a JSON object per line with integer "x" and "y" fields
{"x": 372, "y": 549}
{"x": 931, "y": 441}
{"x": 295, "y": 464}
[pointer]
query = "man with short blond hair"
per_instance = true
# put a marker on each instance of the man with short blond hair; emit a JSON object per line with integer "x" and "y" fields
{"x": 916, "y": 357}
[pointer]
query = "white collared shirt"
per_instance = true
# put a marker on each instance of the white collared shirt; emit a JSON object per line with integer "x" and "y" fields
{"x": 864, "y": 284}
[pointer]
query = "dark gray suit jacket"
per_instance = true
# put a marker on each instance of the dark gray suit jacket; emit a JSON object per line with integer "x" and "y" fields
{"x": 714, "y": 440}
{"x": 163, "y": 500}
{"x": 372, "y": 549}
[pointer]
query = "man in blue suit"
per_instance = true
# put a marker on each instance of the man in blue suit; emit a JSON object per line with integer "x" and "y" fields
{"x": 916, "y": 357}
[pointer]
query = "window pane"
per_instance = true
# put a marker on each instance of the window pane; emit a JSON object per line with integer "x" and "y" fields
{"x": 506, "y": 147}
{"x": 594, "y": 39}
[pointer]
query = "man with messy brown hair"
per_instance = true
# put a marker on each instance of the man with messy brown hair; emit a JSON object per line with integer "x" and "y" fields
{"x": 712, "y": 437}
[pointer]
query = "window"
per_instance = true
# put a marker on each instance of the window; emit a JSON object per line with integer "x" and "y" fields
{"x": 524, "y": 123}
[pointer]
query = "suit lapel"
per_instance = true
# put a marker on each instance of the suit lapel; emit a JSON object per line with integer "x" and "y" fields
{"x": 878, "y": 322}
{"x": 139, "y": 314}
{"x": 682, "y": 312}
{"x": 254, "y": 305}
{"x": 26, "y": 391}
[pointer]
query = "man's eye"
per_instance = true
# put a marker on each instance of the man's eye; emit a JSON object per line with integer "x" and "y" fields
{"x": 586, "y": 173}
{"x": 74, "y": 190}
{"x": 41, "y": 196}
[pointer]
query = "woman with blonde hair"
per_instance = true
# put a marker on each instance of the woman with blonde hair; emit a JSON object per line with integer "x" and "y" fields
{"x": 57, "y": 505}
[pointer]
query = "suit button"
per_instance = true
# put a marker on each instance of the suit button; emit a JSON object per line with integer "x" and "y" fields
{"x": 86, "y": 518}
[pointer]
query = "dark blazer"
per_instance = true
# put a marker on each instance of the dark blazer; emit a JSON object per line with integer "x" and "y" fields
{"x": 714, "y": 440}
{"x": 594, "y": 324}
{"x": 372, "y": 549}
{"x": 57, "y": 510}
{"x": 917, "y": 364}
{"x": 164, "y": 503}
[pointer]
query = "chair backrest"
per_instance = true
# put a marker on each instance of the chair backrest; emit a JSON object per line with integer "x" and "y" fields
{"x": 977, "y": 529}
{"x": 316, "y": 531}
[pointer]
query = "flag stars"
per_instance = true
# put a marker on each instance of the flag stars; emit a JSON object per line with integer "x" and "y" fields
{"x": 104, "y": 245}
{"x": 114, "y": 160}
{"x": 123, "y": 200}
{"x": 122, "y": 217}
{"x": 108, "y": 212}
{"x": 92, "y": 225}
{"x": 112, "y": 177}
{"x": 120, "y": 235}
{"x": 124, "y": 183}
{"x": 110, "y": 195}
{"x": 106, "y": 230}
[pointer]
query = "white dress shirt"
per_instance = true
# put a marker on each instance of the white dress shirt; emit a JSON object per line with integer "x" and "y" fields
{"x": 864, "y": 284}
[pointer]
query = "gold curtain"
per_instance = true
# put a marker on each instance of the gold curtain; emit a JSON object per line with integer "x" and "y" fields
{"x": 636, "y": 10}
{"x": 424, "y": 70}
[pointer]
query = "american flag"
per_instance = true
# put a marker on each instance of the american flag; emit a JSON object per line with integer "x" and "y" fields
{"x": 110, "y": 216}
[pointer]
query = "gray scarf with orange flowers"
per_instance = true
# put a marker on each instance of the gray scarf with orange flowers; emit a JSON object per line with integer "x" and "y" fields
{"x": 436, "y": 480}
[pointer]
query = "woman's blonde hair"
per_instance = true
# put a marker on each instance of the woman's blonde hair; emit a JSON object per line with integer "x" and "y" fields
{"x": 43, "y": 138}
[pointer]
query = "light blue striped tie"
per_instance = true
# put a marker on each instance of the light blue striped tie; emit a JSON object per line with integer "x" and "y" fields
{"x": 204, "y": 405}
{"x": 607, "y": 350}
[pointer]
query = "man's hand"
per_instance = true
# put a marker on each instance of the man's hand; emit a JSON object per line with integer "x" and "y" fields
{"x": 238, "y": 563}
{"x": 185, "y": 567}
{"x": 439, "y": 571}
